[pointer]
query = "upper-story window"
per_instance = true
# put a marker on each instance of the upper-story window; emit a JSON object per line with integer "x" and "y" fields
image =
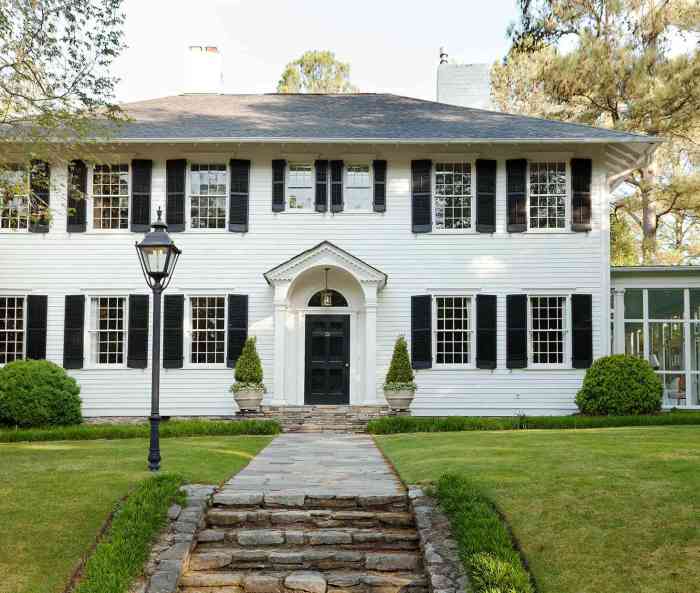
{"x": 453, "y": 196}
{"x": 110, "y": 197}
{"x": 107, "y": 330}
{"x": 14, "y": 204}
{"x": 358, "y": 188}
{"x": 12, "y": 341}
{"x": 548, "y": 330}
{"x": 207, "y": 196}
{"x": 452, "y": 333}
{"x": 300, "y": 187}
{"x": 548, "y": 195}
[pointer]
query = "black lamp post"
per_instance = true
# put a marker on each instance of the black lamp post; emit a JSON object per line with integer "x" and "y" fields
{"x": 158, "y": 256}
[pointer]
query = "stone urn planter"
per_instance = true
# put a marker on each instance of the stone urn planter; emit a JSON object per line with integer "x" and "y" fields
{"x": 399, "y": 399}
{"x": 249, "y": 398}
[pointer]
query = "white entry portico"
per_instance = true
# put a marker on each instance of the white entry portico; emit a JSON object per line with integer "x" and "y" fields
{"x": 295, "y": 282}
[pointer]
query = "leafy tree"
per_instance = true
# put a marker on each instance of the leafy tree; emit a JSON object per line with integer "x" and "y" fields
{"x": 611, "y": 63}
{"x": 316, "y": 72}
{"x": 56, "y": 89}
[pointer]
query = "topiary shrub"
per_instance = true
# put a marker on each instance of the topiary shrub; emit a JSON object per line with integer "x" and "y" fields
{"x": 400, "y": 374}
{"x": 620, "y": 385}
{"x": 248, "y": 372}
{"x": 38, "y": 393}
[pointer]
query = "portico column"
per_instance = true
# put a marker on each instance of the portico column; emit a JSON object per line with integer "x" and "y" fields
{"x": 370, "y": 291}
{"x": 619, "y": 321}
{"x": 280, "y": 333}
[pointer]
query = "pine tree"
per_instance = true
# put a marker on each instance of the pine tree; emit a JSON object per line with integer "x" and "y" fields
{"x": 400, "y": 370}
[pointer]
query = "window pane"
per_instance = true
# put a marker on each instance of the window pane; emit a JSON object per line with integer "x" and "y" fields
{"x": 14, "y": 197}
{"x": 300, "y": 194}
{"x": 110, "y": 191}
{"x": 548, "y": 195}
{"x": 695, "y": 303}
{"x": 666, "y": 346}
{"x": 634, "y": 303}
{"x": 107, "y": 329}
{"x": 11, "y": 329}
{"x": 208, "y": 330}
{"x": 453, "y": 335}
{"x": 674, "y": 390}
{"x": 634, "y": 339}
{"x": 453, "y": 190}
{"x": 665, "y": 303}
{"x": 695, "y": 346}
{"x": 547, "y": 333}
{"x": 694, "y": 390}
{"x": 208, "y": 196}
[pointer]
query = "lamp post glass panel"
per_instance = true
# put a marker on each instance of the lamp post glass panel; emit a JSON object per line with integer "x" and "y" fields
{"x": 158, "y": 256}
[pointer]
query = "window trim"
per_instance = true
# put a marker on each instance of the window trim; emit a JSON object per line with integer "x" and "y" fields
{"x": 27, "y": 197}
{"x": 90, "y": 199}
{"x": 188, "y": 331}
{"x": 287, "y": 172}
{"x": 567, "y": 198}
{"x": 566, "y": 360}
{"x": 188, "y": 195}
{"x": 471, "y": 229}
{"x": 22, "y": 296}
{"x": 472, "y": 329}
{"x": 89, "y": 354}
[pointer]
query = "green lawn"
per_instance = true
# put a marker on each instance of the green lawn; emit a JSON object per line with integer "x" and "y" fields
{"x": 54, "y": 496}
{"x": 596, "y": 511}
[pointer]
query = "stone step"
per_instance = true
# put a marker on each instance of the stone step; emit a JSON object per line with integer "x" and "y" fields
{"x": 236, "y": 499}
{"x": 320, "y": 518}
{"x": 304, "y": 558}
{"x": 354, "y": 538}
{"x": 308, "y": 581}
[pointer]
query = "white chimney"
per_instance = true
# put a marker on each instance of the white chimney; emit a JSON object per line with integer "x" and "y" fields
{"x": 465, "y": 85}
{"x": 203, "y": 70}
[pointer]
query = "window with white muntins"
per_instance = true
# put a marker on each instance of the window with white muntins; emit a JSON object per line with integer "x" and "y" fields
{"x": 358, "y": 188}
{"x": 14, "y": 198}
{"x": 452, "y": 333}
{"x": 208, "y": 318}
{"x": 208, "y": 196}
{"x": 452, "y": 202}
{"x": 300, "y": 187}
{"x": 548, "y": 330}
{"x": 548, "y": 195}
{"x": 110, "y": 197}
{"x": 12, "y": 328}
{"x": 107, "y": 330}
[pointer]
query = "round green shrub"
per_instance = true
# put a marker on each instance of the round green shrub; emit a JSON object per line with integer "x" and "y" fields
{"x": 248, "y": 372}
{"x": 620, "y": 385}
{"x": 38, "y": 393}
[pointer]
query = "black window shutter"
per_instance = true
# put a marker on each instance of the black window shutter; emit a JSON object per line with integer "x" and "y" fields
{"x": 421, "y": 196}
{"x": 173, "y": 331}
{"x": 175, "y": 195}
{"x": 336, "y": 186}
{"x": 379, "y": 186}
{"x": 239, "y": 197}
{"x": 582, "y": 330}
{"x": 77, "y": 196}
{"x": 421, "y": 331}
{"x": 137, "y": 355}
{"x": 516, "y": 188}
{"x": 37, "y": 311}
{"x": 73, "y": 324}
{"x": 321, "y": 198}
{"x": 141, "y": 195}
{"x": 486, "y": 311}
{"x": 278, "y": 169}
{"x": 516, "y": 331}
{"x": 581, "y": 174}
{"x": 237, "y": 327}
{"x": 39, "y": 184}
{"x": 486, "y": 196}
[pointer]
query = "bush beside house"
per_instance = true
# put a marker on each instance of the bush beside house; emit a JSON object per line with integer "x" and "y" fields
{"x": 248, "y": 389}
{"x": 399, "y": 387}
{"x": 38, "y": 393}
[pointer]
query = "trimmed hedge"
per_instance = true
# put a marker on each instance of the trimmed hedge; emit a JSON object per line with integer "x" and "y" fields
{"x": 620, "y": 385}
{"x": 38, "y": 393}
{"x": 486, "y": 547}
{"x": 120, "y": 558}
{"x": 168, "y": 429}
{"x": 406, "y": 424}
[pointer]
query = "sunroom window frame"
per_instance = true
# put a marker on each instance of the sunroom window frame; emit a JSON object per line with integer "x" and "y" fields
{"x": 471, "y": 161}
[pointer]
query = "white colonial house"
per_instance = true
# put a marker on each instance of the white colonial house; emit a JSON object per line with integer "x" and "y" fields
{"x": 480, "y": 236}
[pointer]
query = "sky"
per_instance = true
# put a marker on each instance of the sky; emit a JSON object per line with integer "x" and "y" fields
{"x": 391, "y": 45}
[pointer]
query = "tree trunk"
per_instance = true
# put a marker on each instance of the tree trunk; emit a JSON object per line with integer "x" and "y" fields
{"x": 649, "y": 228}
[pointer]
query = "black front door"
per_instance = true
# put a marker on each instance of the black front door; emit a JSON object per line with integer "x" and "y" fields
{"x": 327, "y": 359}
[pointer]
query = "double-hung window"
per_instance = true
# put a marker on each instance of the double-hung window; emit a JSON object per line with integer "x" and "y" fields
{"x": 208, "y": 196}
{"x": 548, "y": 330}
{"x": 300, "y": 187}
{"x": 14, "y": 198}
{"x": 453, "y": 335}
{"x": 110, "y": 197}
{"x": 548, "y": 195}
{"x": 208, "y": 334}
{"x": 358, "y": 188}
{"x": 12, "y": 327}
{"x": 452, "y": 202}
{"x": 107, "y": 330}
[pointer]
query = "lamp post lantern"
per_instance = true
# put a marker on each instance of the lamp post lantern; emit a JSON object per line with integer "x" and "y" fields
{"x": 158, "y": 256}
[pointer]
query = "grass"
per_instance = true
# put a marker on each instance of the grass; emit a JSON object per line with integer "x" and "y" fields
{"x": 169, "y": 429}
{"x": 485, "y": 544}
{"x": 56, "y": 495}
{"x": 404, "y": 424}
{"x": 595, "y": 511}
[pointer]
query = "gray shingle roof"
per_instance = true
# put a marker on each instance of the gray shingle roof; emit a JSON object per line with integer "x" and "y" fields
{"x": 357, "y": 117}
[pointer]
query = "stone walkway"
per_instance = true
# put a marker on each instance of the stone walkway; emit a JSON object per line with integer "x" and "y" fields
{"x": 318, "y": 464}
